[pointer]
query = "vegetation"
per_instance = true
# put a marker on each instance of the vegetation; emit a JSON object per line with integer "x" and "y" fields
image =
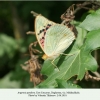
{"x": 81, "y": 70}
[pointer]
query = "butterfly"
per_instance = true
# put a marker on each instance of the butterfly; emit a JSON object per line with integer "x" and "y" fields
{"x": 52, "y": 37}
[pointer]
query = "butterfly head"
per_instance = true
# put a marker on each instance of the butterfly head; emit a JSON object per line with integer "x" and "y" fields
{"x": 52, "y": 57}
{"x": 44, "y": 57}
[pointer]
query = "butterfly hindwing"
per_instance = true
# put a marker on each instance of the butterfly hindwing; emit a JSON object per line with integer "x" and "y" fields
{"x": 58, "y": 38}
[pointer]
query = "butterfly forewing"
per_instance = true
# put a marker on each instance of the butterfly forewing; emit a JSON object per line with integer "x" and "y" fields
{"x": 57, "y": 39}
{"x": 41, "y": 26}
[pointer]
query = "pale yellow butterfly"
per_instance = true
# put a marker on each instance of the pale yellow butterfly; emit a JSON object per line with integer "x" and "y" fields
{"x": 53, "y": 38}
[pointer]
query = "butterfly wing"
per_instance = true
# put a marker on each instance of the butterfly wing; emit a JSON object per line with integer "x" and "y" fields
{"x": 41, "y": 26}
{"x": 58, "y": 38}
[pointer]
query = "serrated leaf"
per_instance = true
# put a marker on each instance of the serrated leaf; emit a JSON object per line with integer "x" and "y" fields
{"x": 80, "y": 61}
{"x": 92, "y": 21}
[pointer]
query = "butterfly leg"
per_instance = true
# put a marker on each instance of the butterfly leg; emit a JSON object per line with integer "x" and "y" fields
{"x": 52, "y": 62}
{"x": 66, "y": 54}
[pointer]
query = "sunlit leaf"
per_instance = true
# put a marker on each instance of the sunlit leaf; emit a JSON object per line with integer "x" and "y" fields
{"x": 47, "y": 67}
{"x": 81, "y": 59}
{"x": 64, "y": 84}
{"x": 92, "y": 21}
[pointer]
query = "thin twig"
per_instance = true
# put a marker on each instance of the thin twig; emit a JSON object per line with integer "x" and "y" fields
{"x": 96, "y": 74}
{"x": 34, "y": 13}
{"x": 97, "y": 3}
{"x": 30, "y": 32}
{"x": 88, "y": 76}
{"x": 79, "y": 6}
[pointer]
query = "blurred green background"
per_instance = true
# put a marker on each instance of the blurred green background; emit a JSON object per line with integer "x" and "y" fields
{"x": 15, "y": 21}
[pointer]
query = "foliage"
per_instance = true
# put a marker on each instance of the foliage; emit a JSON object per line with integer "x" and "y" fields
{"x": 81, "y": 59}
{"x": 91, "y": 21}
{"x": 14, "y": 51}
{"x": 8, "y": 45}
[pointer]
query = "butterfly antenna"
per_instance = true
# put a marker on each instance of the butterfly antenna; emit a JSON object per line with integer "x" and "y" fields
{"x": 30, "y": 32}
{"x": 34, "y": 13}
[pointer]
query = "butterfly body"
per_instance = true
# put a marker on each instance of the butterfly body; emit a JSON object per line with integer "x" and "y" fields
{"x": 53, "y": 38}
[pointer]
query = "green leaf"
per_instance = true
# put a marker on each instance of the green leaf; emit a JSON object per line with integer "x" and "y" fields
{"x": 64, "y": 84}
{"x": 1, "y": 50}
{"x": 92, "y": 21}
{"x": 48, "y": 68}
{"x": 8, "y": 45}
{"x": 82, "y": 59}
{"x": 79, "y": 62}
{"x": 7, "y": 83}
